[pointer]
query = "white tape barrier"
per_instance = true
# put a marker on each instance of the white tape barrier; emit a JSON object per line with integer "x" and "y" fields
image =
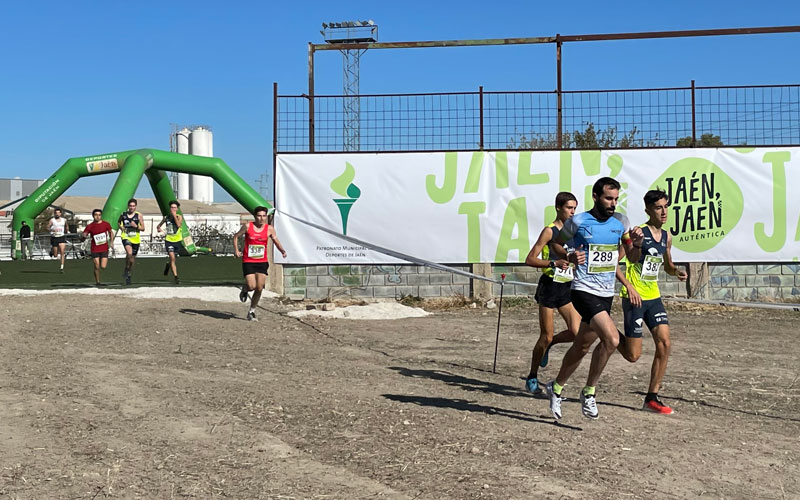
{"x": 408, "y": 258}
{"x": 758, "y": 305}
{"x": 416, "y": 260}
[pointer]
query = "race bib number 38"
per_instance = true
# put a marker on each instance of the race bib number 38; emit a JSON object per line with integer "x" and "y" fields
{"x": 602, "y": 259}
{"x": 650, "y": 267}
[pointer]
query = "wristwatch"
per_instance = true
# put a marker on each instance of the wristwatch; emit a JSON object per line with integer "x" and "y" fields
{"x": 552, "y": 264}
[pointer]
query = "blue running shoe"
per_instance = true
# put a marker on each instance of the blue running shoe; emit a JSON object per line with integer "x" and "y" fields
{"x": 532, "y": 386}
{"x": 546, "y": 357}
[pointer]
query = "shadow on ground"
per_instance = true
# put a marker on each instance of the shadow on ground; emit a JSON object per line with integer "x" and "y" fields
{"x": 210, "y": 313}
{"x": 470, "y": 406}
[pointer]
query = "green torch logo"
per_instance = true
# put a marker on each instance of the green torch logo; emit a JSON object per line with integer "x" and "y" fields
{"x": 344, "y": 187}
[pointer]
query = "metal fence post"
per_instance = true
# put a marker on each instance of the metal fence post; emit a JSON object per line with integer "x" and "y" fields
{"x": 310, "y": 97}
{"x": 480, "y": 98}
{"x": 694, "y": 126}
{"x": 558, "y": 93}
{"x": 274, "y": 133}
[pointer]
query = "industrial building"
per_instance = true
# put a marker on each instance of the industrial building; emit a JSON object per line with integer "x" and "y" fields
{"x": 16, "y": 188}
{"x": 195, "y": 140}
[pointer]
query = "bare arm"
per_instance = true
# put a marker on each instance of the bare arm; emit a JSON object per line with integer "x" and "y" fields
{"x": 633, "y": 295}
{"x": 533, "y": 259}
{"x": 141, "y": 222}
{"x": 274, "y": 236}
{"x": 570, "y": 229}
{"x": 632, "y": 243}
{"x": 669, "y": 266}
{"x": 242, "y": 230}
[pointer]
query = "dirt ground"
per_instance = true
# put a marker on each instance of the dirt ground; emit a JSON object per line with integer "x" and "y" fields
{"x": 141, "y": 398}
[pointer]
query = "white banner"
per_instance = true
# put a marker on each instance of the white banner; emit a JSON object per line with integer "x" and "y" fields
{"x": 728, "y": 205}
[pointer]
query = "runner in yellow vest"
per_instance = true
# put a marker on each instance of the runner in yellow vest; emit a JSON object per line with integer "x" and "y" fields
{"x": 553, "y": 290}
{"x": 641, "y": 298}
{"x": 173, "y": 239}
{"x": 131, "y": 223}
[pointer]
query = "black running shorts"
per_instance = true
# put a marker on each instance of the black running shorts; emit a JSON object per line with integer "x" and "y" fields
{"x": 254, "y": 268}
{"x": 551, "y": 294}
{"x": 588, "y": 305}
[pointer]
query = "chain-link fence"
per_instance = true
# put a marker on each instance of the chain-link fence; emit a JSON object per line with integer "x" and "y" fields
{"x": 766, "y": 115}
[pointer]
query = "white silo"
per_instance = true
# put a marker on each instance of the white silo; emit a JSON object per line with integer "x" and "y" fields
{"x": 182, "y": 147}
{"x": 201, "y": 143}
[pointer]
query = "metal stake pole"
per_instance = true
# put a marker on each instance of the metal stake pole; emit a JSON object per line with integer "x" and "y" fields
{"x": 499, "y": 313}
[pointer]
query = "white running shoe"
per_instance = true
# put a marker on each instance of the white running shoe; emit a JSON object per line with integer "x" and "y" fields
{"x": 589, "y": 406}
{"x": 555, "y": 400}
{"x": 251, "y": 316}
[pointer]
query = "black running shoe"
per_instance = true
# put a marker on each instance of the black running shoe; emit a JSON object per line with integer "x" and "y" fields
{"x": 243, "y": 295}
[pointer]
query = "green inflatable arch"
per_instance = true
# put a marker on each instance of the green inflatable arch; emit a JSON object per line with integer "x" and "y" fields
{"x": 132, "y": 166}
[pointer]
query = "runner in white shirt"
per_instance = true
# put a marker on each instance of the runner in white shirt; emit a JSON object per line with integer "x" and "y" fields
{"x": 58, "y": 239}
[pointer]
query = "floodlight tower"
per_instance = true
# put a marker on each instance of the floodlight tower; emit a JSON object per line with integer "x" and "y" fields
{"x": 351, "y": 32}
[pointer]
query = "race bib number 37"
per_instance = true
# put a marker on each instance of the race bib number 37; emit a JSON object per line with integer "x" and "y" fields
{"x": 602, "y": 259}
{"x": 563, "y": 275}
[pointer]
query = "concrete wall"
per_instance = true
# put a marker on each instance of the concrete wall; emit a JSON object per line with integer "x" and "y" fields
{"x": 731, "y": 282}
{"x": 373, "y": 281}
{"x": 755, "y": 282}
{"x": 387, "y": 281}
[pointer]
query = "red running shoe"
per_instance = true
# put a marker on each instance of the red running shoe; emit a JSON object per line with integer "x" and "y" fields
{"x": 656, "y": 406}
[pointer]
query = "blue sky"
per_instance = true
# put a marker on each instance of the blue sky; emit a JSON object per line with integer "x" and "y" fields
{"x": 90, "y": 77}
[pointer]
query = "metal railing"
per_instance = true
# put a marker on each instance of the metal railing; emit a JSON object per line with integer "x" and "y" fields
{"x": 765, "y": 115}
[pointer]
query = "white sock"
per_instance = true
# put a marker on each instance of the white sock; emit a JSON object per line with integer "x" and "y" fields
{"x": 252, "y": 310}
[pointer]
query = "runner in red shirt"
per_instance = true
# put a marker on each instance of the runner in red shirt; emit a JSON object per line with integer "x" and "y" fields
{"x": 255, "y": 259}
{"x": 101, "y": 233}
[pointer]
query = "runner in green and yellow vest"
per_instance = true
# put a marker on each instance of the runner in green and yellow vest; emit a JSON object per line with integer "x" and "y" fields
{"x": 131, "y": 224}
{"x": 553, "y": 290}
{"x": 641, "y": 298}
{"x": 173, "y": 241}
